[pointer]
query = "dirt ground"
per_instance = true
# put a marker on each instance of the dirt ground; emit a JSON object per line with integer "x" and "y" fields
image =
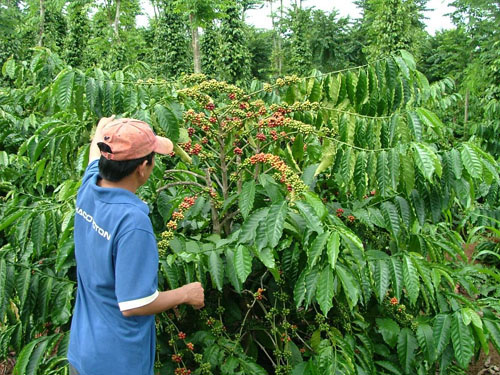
{"x": 486, "y": 364}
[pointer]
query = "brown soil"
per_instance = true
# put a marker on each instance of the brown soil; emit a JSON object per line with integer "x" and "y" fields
{"x": 486, "y": 364}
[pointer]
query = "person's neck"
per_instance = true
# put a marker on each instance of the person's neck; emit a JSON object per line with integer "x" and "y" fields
{"x": 126, "y": 183}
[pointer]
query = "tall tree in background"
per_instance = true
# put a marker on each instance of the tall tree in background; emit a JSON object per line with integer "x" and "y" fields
{"x": 171, "y": 52}
{"x": 210, "y": 49}
{"x": 234, "y": 56}
{"x": 78, "y": 33}
{"x": 391, "y": 25}
{"x": 200, "y": 12}
{"x": 300, "y": 45}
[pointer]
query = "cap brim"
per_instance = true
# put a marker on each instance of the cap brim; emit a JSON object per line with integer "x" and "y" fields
{"x": 164, "y": 146}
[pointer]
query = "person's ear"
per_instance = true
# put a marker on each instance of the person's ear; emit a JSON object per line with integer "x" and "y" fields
{"x": 141, "y": 168}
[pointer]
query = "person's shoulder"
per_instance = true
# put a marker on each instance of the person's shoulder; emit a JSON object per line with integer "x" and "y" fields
{"x": 136, "y": 218}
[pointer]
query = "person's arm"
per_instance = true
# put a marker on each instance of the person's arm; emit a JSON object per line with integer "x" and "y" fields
{"x": 94, "y": 152}
{"x": 190, "y": 294}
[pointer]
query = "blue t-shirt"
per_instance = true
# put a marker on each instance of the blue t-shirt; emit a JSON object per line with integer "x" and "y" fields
{"x": 117, "y": 269}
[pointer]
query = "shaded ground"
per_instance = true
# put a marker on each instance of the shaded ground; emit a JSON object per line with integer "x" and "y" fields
{"x": 486, "y": 364}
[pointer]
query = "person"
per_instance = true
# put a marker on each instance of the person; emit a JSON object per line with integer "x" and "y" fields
{"x": 113, "y": 325}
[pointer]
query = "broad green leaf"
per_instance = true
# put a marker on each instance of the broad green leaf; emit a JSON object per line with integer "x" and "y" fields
{"x": 426, "y": 341}
{"x": 441, "y": 329}
{"x": 425, "y": 159}
{"x": 469, "y": 315}
{"x": 351, "y": 290}
{"x": 317, "y": 204}
{"x": 243, "y": 262}
{"x": 299, "y": 290}
{"x": 167, "y": 121}
{"x": 6, "y": 221}
{"x": 381, "y": 278}
{"x": 311, "y": 283}
{"x": 36, "y": 357}
{"x": 3, "y": 291}
{"x": 316, "y": 250}
{"x": 396, "y": 270}
{"x": 266, "y": 256}
{"x": 389, "y": 366}
{"x": 360, "y": 175}
{"x": 38, "y": 231}
{"x": 9, "y": 68}
{"x": 246, "y": 198}
{"x": 216, "y": 269}
{"x": 462, "y": 339}
{"x": 325, "y": 290}
{"x": 407, "y": 175}
{"x": 383, "y": 174}
{"x": 389, "y": 330}
{"x": 407, "y": 344}
{"x": 493, "y": 329}
{"x": 362, "y": 88}
{"x": 334, "y": 89}
{"x": 408, "y": 59}
{"x": 275, "y": 222}
{"x": 231, "y": 271}
{"x": 391, "y": 218}
{"x": 24, "y": 357}
{"x": 315, "y": 93}
{"x": 332, "y": 249}
{"x": 63, "y": 252}
{"x": 249, "y": 227}
{"x": 431, "y": 120}
{"x": 350, "y": 238}
{"x": 411, "y": 281}
{"x": 471, "y": 161}
{"x": 415, "y": 125}
{"x": 64, "y": 89}
{"x": 312, "y": 220}
{"x": 23, "y": 279}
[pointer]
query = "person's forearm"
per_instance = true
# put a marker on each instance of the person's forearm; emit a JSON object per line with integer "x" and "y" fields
{"x": 165, "y": 301}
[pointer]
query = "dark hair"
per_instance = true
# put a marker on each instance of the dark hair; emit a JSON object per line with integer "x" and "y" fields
{"x": 115, "y": 170}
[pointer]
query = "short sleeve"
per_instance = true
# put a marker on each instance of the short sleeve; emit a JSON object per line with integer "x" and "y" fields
{"x": 91, "y": 170}
{"x": 136, "y": 269}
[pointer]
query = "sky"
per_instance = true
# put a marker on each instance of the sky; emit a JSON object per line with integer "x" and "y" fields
{"x": 436, "y": 18}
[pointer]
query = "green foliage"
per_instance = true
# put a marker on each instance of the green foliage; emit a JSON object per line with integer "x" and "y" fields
{"x": 326, "y": 216}
{"x": 171, "y": 52}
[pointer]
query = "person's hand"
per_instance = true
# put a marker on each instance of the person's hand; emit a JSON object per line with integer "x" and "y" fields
{"x": 103, "y": 122}
{"x": 195, "y": 295}
{"x": 100, "y": 125}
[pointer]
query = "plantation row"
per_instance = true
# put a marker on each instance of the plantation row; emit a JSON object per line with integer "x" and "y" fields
{"x": 327, "y": 217}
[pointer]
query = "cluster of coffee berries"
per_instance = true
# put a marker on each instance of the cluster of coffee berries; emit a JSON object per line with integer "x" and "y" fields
{"x": 182, "y": 371}
{"x": 177, "y": 358}
{"x": 167, "y": 235}
{"x": 284, "y": 174}
{"x": 258, "y": 294}
{"x": 200, "y": 120}
{"x": 190, "y": 148}
{"x": 193, "y": 79}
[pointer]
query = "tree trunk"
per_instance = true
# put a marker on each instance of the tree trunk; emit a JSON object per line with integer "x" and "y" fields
{"x": 466, "y": 110}
{"x": 195, "y": 42}
{"x": 42, "y": 23}
{"x": 117, "y": 20}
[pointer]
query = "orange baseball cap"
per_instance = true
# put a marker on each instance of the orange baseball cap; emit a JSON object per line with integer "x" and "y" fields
{"x": 132, "y": 139}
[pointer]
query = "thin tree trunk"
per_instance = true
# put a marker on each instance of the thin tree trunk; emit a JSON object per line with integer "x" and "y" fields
{"x": 195, "y": 42}
{"x": 466, "y": 110}
{"x": 117, "y": 20}
{"x": 42, "y": 23}
{"x": 280, "y": 59}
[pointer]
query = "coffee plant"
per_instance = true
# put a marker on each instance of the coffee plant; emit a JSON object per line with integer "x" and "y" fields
{"x": 336, "y": 223}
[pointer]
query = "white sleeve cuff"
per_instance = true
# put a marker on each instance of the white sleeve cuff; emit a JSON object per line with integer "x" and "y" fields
{"x": 127, "y": 305}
